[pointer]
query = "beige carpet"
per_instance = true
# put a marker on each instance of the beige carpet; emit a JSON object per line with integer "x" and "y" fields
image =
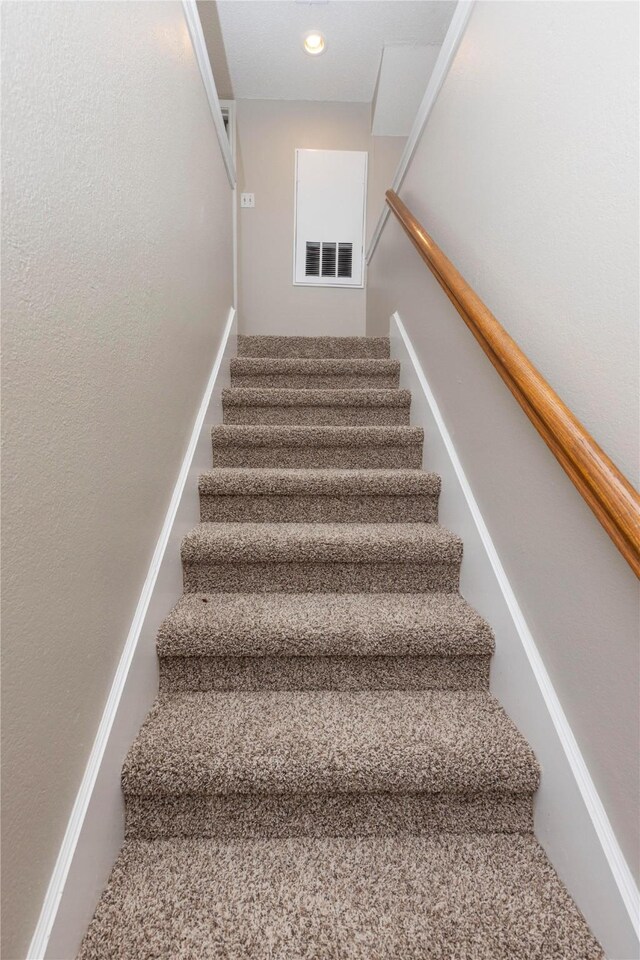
{"x": 324, "y": 773}
{"x": 492, "y": 897}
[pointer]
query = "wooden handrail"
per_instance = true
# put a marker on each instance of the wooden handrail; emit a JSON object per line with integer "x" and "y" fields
{"x": 614, "y": 501}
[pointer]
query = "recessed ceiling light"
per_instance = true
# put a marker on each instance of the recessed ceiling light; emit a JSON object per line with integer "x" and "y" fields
{"x": 314, "y": 43}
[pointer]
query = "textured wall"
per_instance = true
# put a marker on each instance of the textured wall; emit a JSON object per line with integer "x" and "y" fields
{"x": 527, "y": 177}
{"x": 384, "y": 157}
{"x": 269, "y": 131}
{"x": 116, "y": 283}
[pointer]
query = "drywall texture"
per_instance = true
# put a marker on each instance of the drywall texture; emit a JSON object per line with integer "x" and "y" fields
{"x": 269, "y": 131}
{"x": 527, "y": 178}
{"x": 405, "y": 69}
{"x": 116, "y": 282}
{"x": 384, "y": 157}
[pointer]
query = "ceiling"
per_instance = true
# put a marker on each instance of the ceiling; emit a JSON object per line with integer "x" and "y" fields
{"x": 256, "y": 45}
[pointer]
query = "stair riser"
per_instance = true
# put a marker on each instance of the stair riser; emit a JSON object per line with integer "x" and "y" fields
{"x": 343, "y": 815}
{"x": 344, "y": 458}
{"x": 330, "y": 416}
{"x": 182, "y": 674}
{"x": 298, "y": 381}
{"x": 330, "y": 577}
{"x": 315, "y": 348}
{"x": 318, "y": 509}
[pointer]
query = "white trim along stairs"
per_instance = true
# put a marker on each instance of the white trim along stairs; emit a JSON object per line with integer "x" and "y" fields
{"x": 95, "y": 829}
{"x": 360, "y": 507}
{"x": 570, "y": 819}
{"x": 324, "y": 771}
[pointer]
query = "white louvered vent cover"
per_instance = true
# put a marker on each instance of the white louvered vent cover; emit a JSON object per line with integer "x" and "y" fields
{"x": 328, "y": 260}
{"x": 329, "y": 224}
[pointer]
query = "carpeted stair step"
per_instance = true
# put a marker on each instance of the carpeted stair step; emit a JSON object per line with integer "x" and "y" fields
{"x": 348, "y": 448}
{"x": 323, "y": 641}
{"x": 322, "y": 408}
{"x": 354, "y": 348}
{"x": 327, "y": 763}
{"x": 447, "y": 897}
{"x": 295, "y": 373}
{"x": 320, "y": 557}
{"x": 302, "y": 496}
{"x": 324, "y": 772}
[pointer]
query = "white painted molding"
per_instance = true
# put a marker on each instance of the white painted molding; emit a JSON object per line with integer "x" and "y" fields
{"x": 441, "y": 68}
{"x": 611, "y": 903}
{"x": 202, "y": 56}
{"x": 230, "y": 107}
{"x": 55, "y": 890}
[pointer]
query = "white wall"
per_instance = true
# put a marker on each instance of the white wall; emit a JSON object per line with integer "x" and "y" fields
{"x": 116, "y": 286}
{"x": 526, "y": 176}
{"x": 269, "y": 131}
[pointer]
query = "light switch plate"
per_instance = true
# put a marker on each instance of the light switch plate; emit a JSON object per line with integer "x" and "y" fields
{"x": 247, "y": 199}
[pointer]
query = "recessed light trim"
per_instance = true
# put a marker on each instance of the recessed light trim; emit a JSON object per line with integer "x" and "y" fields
{"x": 314, "y": 43}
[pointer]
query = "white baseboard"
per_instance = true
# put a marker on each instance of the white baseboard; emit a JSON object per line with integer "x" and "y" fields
{"x": 570, "y": 820}
{"x": 95, "y": 830}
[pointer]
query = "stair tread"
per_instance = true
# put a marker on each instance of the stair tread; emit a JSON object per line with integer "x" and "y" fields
{"x": 493, "y": 897}
{"x": 329, "y": 742}
{"x": 331, "y": 397}
{"x": 318, "y": 373}
{"x": 309, "y": 347}
{"x": 323, "y": 625}
{"x": 238, "y": 481}
{"x": 256, "y": 542}
{"x": 260, "y": 435}
{"x": 351, "y": 736}
{"x": 306, "y": 365}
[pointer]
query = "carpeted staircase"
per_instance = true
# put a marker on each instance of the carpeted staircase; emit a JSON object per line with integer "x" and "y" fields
{"x": 325, "y": 775}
